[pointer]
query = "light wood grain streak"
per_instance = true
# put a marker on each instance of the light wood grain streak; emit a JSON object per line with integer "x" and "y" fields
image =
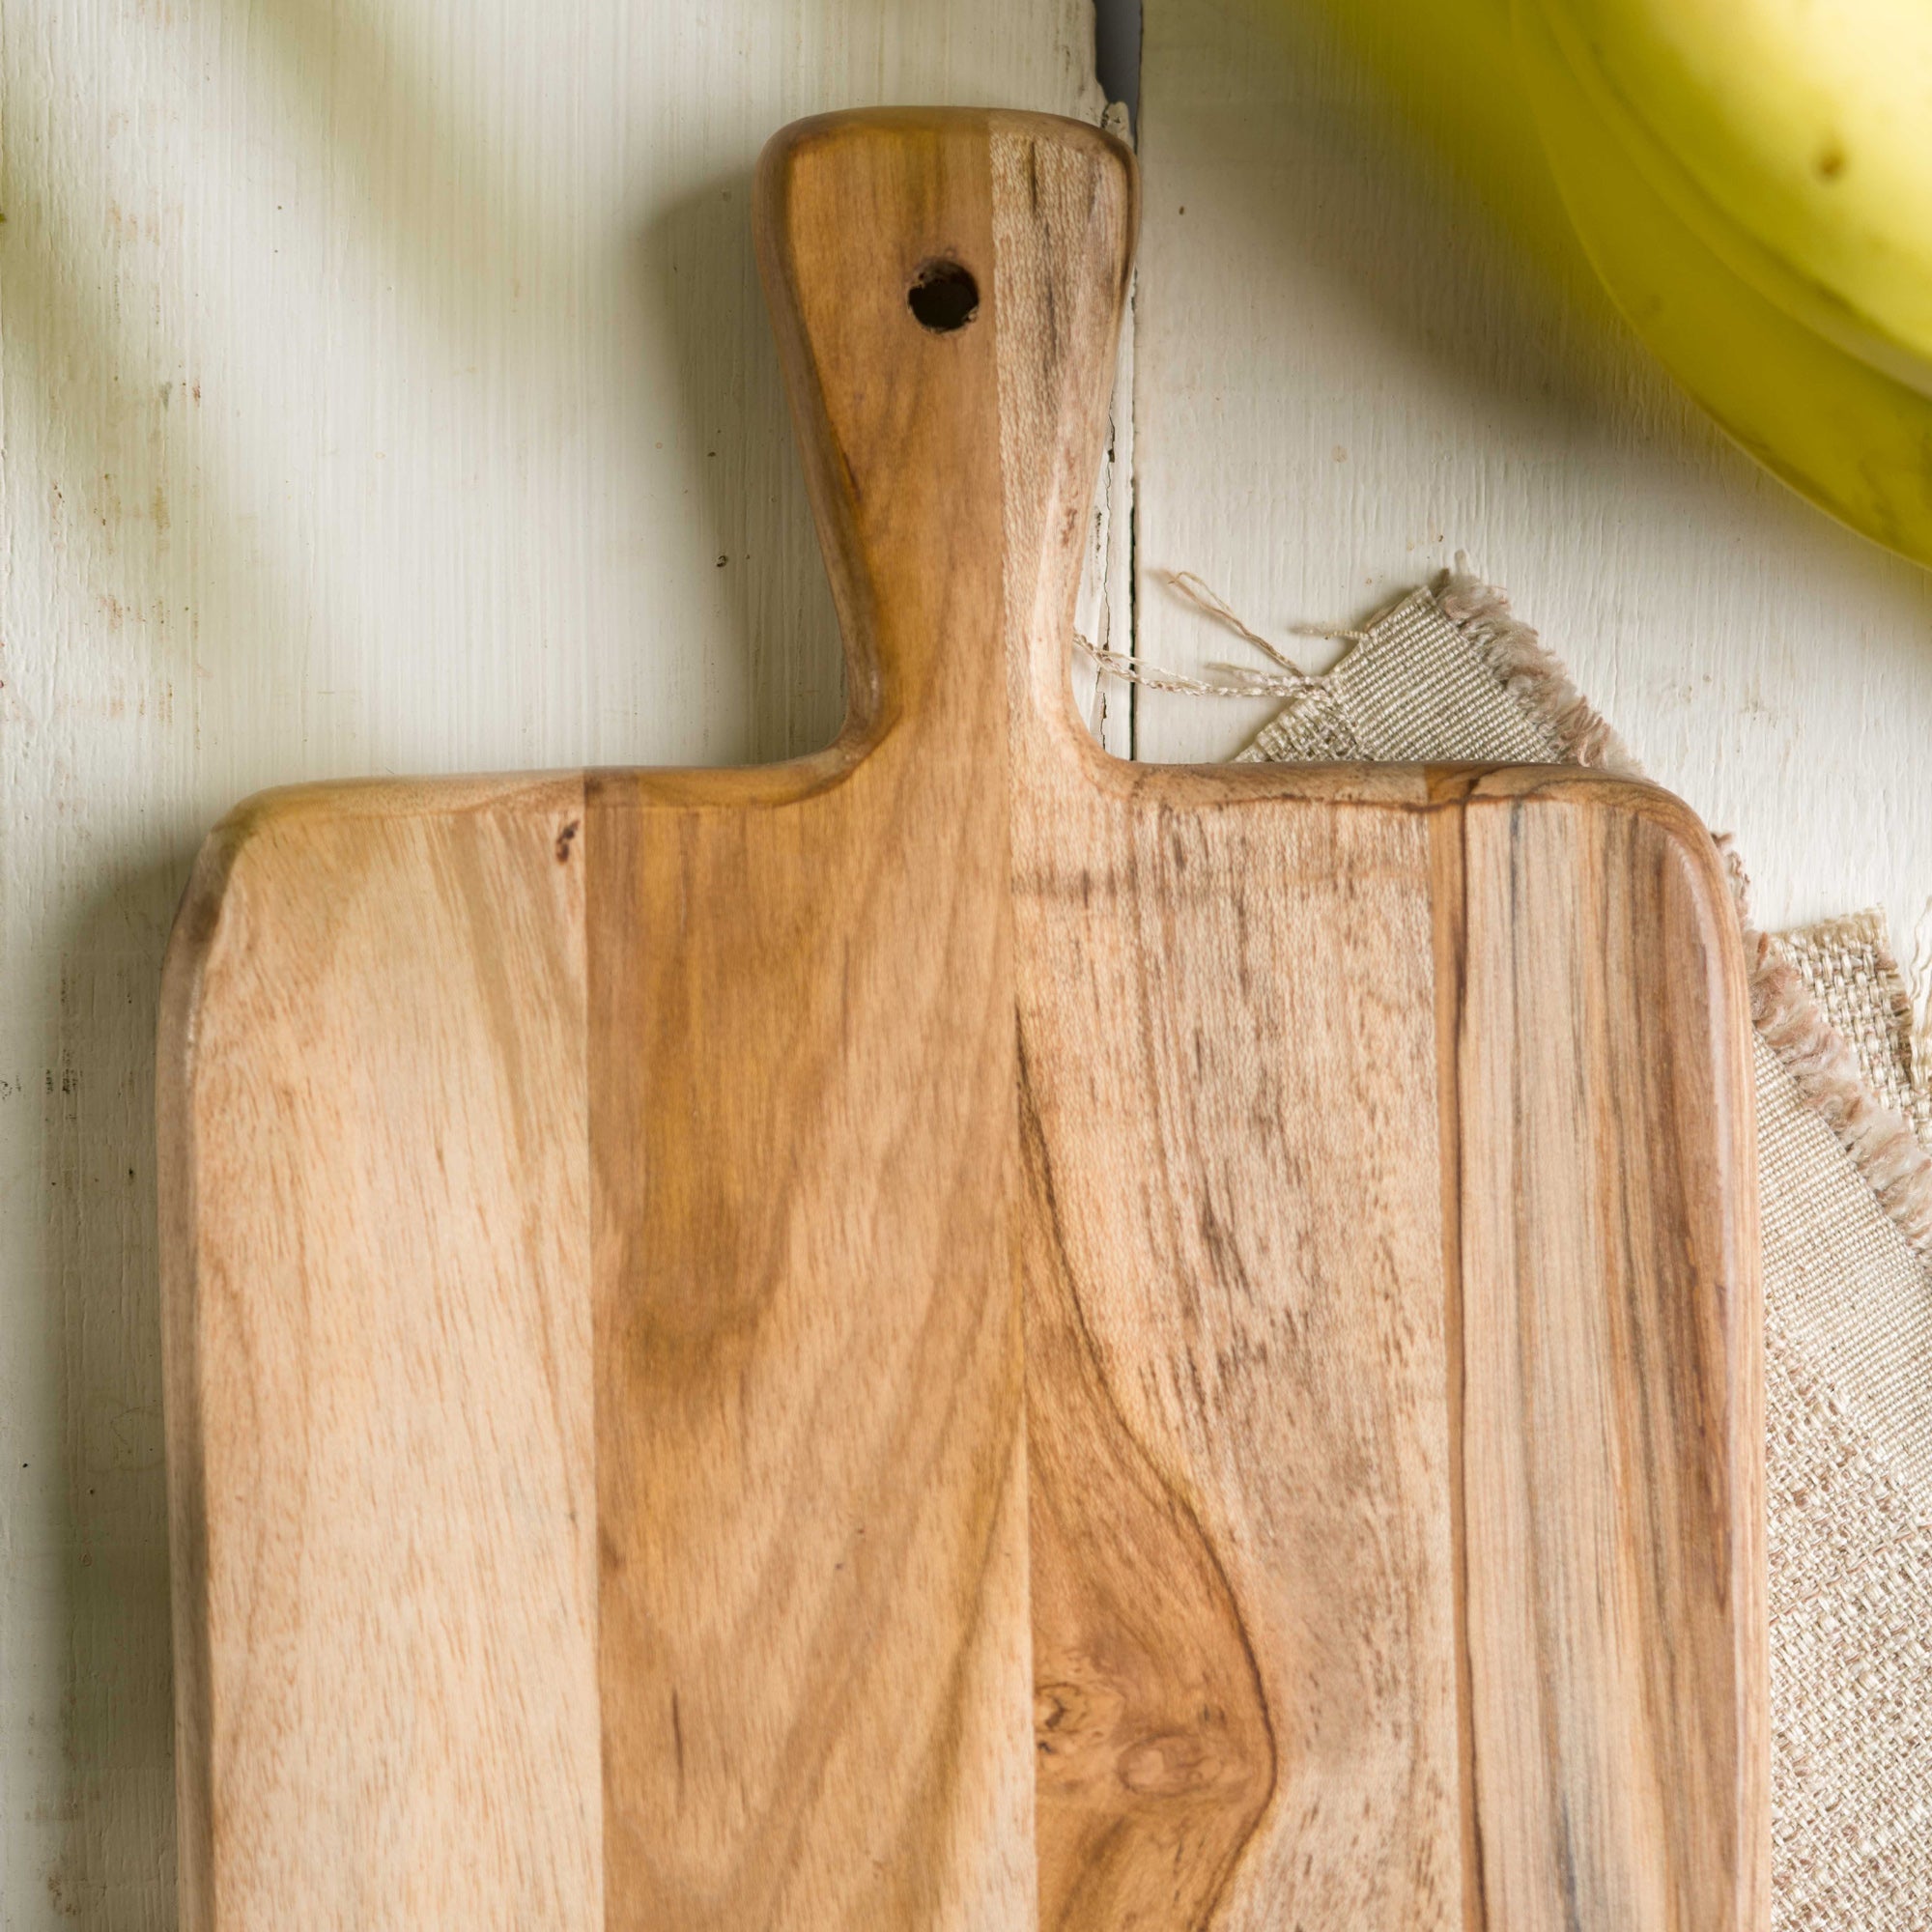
{"x": 1448, "y": 895}
{"x": 1612, "y": 1411}
{"x": 378, "y": 1208}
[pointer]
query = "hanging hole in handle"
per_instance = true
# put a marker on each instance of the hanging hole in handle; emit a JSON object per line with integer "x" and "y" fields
{"x": 944, "y": 296}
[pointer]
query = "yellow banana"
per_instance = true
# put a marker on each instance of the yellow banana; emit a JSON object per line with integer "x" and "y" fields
{"x": 1796, "y": 134}
{"x": 1807, "y": 343}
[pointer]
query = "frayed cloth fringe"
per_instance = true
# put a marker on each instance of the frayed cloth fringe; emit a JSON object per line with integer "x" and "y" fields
{"x": 1788, "y": 1015}
{"x": 1793, "y": 1023}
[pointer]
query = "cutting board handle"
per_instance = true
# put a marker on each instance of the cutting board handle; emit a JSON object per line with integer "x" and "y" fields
{"x": 947, "y": 288}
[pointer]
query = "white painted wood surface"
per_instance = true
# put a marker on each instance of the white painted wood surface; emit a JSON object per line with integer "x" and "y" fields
{"x": 385, "y": 388}
{"x": 1367, "y": 338}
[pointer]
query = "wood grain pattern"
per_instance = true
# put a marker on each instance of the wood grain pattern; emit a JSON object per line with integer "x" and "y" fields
{"x": 1467, "y": 1421}
{"x": 1265, "y": 1304}
{"x": 811, "y": 1489}
{"x": 1339, "y": 1395}
{"x": 378, "y": 1206}
{"x": 1386, "y": 1574}
{"x": 782, "y": 1082}
{"x": 1612, "y": 1386}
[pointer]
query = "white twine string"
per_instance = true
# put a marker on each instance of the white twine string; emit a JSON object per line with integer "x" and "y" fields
{"x": 1880, "y": 1140}
{"x": 1287, "y": 680}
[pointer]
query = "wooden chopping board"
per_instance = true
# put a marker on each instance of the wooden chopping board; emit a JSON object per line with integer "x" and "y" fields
{"x": 956, "y": 1333}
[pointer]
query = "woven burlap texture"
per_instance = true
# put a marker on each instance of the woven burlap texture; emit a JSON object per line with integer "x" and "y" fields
{"x": 1448, "y": 673}
{"x": 1848, "y": 965}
